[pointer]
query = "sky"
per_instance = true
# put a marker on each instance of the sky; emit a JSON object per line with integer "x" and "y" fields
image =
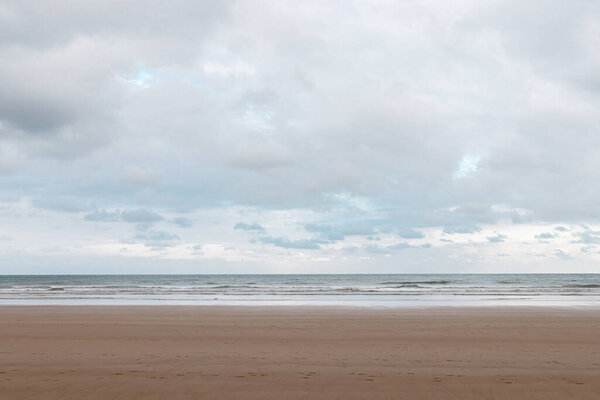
{"x": 299, "y": 137}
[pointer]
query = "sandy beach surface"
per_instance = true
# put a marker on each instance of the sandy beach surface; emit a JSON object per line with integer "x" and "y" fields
{"x": 168, "y": 352}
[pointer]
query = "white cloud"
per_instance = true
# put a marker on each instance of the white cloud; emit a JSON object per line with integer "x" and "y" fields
{"x": 470, "y": 126}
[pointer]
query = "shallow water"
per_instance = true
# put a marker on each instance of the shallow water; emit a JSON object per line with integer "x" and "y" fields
{"x": 395, "y": 290}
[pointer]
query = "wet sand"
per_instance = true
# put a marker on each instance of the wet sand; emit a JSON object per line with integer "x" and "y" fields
{"x": 169, "y": 352}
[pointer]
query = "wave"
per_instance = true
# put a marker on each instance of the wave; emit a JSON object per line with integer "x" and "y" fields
{"x": 415, "y": 283}
{"x": 248, "y": 286}
{"x": 407, "y": 286}
{"x": 267, "y": 288}
{"x": 583, "y": 286}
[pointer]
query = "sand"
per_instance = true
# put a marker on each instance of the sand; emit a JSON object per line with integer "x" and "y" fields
{"x": 165, "y": 352}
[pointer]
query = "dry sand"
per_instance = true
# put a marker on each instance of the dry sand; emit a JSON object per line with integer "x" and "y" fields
{"x": 123, "y": 352}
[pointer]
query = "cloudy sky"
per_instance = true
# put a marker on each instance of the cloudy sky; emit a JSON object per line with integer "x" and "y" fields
{"x": 271, "y": 136}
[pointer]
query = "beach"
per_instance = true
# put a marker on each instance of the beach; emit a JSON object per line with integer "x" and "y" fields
{"x": 249, "y": 352}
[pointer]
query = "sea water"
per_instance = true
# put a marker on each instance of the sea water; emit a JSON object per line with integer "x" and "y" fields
{"x": 393, "y": 290}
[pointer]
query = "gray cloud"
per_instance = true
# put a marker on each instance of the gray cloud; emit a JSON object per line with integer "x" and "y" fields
{"x": 156, "y": 240}
{"x": 326, "y": 231}
{"x": 588, "y": 236}
{"x": 325, "y": 138}
{"x": 143, "y": 226}
{"x": 562, "y": 254}
{"x": 498, "y": 238}
{"x": 545, "y": 235}
{"x": 341, "y": 230}
{"x": 156, "y": 236}
{"x": 477, "y": 115}
{"x": 462, "y": 229}
{"x": 374, "y": 249}
{"x": 183, "y": 222}
{"x": 249, "y": 227}
{"x": 284, "y": 242}
{"x": 141, "y": 215}
{"x": 103, "y": 215}
{"x": 63, "y": 87}
{"x": 408, "y": 233}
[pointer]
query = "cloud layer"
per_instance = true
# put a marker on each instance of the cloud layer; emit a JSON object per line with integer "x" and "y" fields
{"x": 263, "y": 130}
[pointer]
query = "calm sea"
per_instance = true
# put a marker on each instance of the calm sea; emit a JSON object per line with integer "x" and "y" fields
{"x": 395, "y": 290}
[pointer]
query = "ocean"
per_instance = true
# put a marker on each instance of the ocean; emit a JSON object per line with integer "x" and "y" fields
{"x": 389, "y": 290}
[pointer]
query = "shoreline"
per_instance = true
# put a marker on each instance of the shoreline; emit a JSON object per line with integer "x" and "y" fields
{"x": 339, "y": 290}
{"x": 344, "y": 304}
{"x": 322, "y": 307}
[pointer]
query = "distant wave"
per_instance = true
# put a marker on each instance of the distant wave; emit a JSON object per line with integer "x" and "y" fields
{"x": 407, "y": 286}
{"x": 583, "y": 286}
{"x": 415, "y": 283}
{"x": 248, "y": 286}
{"x": 266, "y": 288}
